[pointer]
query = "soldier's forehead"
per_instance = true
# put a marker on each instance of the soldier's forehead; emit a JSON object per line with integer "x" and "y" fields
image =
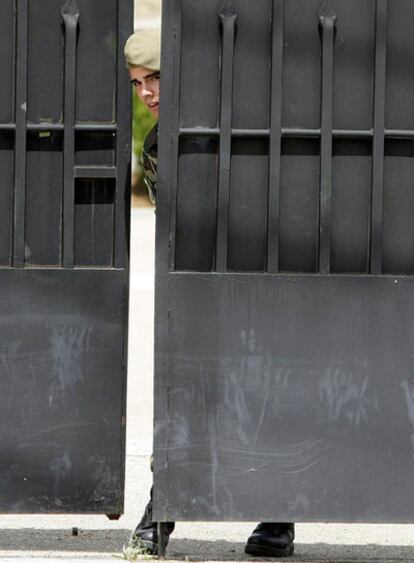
{"x": 140, "y": 73}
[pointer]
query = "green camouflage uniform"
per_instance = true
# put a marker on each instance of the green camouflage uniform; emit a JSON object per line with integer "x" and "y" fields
{"x": 149, "y": 161}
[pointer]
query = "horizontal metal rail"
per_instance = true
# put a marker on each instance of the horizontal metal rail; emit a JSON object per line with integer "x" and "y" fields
{"x": 105, "y": 128}
{"x": 288, "y": 132}
{"x": 89, "y": 128}
{"x": 95, "y": 172}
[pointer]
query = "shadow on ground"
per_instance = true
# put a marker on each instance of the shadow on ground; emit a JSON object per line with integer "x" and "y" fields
{"x": 111, "y": 542}
{"x": 31, "y": 540}
{"x": 221, "y": 550}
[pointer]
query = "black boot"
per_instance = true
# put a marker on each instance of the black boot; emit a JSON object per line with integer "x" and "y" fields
{"x": 271, "y": 540}
{"x": 145, "y": 534}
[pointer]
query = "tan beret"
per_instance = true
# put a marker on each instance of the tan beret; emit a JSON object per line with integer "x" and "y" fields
{"x": 143, "y": 48}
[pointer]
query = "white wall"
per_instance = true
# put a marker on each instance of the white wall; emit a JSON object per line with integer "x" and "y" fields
{"x": 147, "y": 13}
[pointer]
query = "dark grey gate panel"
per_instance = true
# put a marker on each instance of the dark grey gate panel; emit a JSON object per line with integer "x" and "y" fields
{"x": 285, "y": 254}
{"x": 64, "y": 155}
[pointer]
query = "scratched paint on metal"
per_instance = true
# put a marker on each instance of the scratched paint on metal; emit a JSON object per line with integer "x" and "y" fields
{"x": 64, "y": 138}
{"x": 284, "y": 298}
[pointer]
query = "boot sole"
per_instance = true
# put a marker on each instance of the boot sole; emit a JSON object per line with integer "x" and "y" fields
{"x": 267, "y": 551}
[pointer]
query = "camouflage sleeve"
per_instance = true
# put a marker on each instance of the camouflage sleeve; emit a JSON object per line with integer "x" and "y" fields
{"x": 149, "y": 160}
{"x": 150, "y": 178}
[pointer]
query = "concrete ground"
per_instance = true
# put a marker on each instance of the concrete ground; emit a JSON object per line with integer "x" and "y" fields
{"x": 50, "y": 539}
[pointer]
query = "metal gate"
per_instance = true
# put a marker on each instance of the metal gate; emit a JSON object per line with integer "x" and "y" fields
{"x": 285, "y": 262}
{"x": 64, "y": 153}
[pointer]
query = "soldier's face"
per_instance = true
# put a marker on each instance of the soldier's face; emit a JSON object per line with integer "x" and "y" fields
{"x": 147, "y": 86}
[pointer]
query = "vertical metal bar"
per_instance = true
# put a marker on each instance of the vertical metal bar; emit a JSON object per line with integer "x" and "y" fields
{"x": 70, "y": 16}
{"x": 161, "y": 540}
{"x": 123, "y": 140}
{"x": 20, "y": 162}
{"x": 275, "y": 146}
{"x": 122, "y": 195}
{"x": 379, "y": 136}
{"x": 166, "y": 208}
{"x": 175, "y": 140}
{"x": 327, "y": 18}
{"x": 228, "y": 18}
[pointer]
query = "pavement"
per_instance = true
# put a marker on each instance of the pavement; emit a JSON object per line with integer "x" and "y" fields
{"x": 50, "y": 538}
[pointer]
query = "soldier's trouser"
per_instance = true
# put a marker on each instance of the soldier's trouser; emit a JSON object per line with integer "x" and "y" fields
{"x": 147, "y": 522}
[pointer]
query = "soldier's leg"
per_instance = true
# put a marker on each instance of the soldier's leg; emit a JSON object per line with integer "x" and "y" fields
{"x": 146, "y": 532}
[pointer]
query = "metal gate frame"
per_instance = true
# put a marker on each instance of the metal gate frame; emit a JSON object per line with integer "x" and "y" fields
{"x": 326, "y": 299}
{"x": 64, "y": 321}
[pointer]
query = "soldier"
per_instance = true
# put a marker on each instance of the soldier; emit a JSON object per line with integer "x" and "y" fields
{"x": 142, "y": 54}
